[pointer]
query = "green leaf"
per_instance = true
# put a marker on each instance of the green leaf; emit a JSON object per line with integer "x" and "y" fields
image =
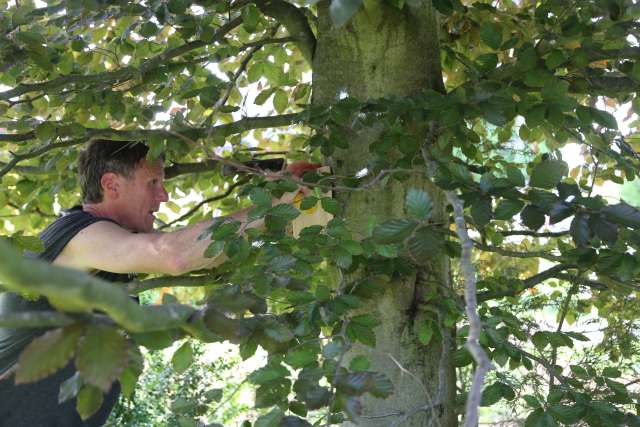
{"x": 611, "y": 372}
{"x": 579, "y": 372}
{"x": 515, "y": 176}
{"x": 507, "y": 209}
{"x": 183, "y": 405}
{"x": 89, "y": 401}
{"x": 351, "y": 246}
{"x": 540, "y": 340}
{"x": 604, "y": 118}
{"x": 425, "y": 332}
{"x": 209, "y": 95}
{"x": 300, "y": 358}
{"x": 292, "y": 421}
{"x": 567, "y": 414}
{"x": 103, "y": 354}
{"x": 555, "y": 59}
{"x": 535, "y": 116}
{"x": 132, "y": 372}
{"x": 46, "y": 131}
{"x": 214, "y": 249}
{"x": 260, "y": 197}
{"x": 548, "y": 173}
{"x": 617, "y": 387}
{"x": 491, "y": 394}
{"x": 342, "y": 10}
{"x": 532, "y": 401}
{"x": 178, "y": 6}
{"x": 268, "y": 373}
{"x": 343, "y": 257}
{"x": 623, "y": 214}
{"x": 359, "y": 363}
{"x": 425, "y": 244}
{"x": 70, "y": 388}
{"x": 47, "y": 354}
{"x": 148, "y": 29}
{"x": 579, "y": 229}
{"x": 393, "y": 231}
{"x": 29, "y": 243}
{"x": 213, "y": 395}
{"x": 366, "y": 319}
{"x": 418, "y": 204}
{"x": 491, "y": 34}
{"x": 32, "y": 39}
{"x": 264, "y": 95}
{"x": 481, "y": 211}
{"x": 308, "y": 203}
{"x": 280, "y": 101}
{"x": 539, "y": 418}
{"x": 278, "y": 331}
{"x": 462, "y": 357}
{"x": 358, "y": 383}
{"x": 250, "y": 18}
{"x": 443, "y": 6}
{"x": 284, "y": 211}
{"x": 155, "y": 340}
{"x": 559, "y": 212}
{"x": 605, "y": 230}
{"x": 330, "y": 205}
{"x": 272, "y": 419}
{"x": 362, "y": 333}
{"x": 183, "y": 358}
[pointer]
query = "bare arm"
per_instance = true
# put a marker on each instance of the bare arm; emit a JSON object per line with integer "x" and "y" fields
{"x": 109, "y": 247}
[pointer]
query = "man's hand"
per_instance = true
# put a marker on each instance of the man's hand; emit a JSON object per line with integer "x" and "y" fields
{"x": 297, "y": 169}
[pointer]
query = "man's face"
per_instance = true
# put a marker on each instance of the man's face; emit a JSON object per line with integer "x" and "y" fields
{"x": 141, "y": 195}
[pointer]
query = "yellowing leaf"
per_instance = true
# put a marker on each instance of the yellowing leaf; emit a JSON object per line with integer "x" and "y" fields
{"x": 47, "y": 354}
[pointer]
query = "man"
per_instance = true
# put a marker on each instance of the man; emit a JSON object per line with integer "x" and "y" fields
{"x": 111, "y": 235}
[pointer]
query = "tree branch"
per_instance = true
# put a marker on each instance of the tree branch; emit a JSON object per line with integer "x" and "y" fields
{"x": 475, "y": 324}
{"x": 555, "y": 272}
{"x": 37, "y": 152}
{"x": 533, "y": 233}
{"x": 295, "y": 21}
{"x": 123, "y": 74}
{"x": 602, "y": 85}
{"x": 526, "y": 284}
{"x": 516, "y": 254}
{"x": 564, "y": 307}
{"x": 171, "y": 282}
{"x": 628, "y": 52}
{"x": 35, "y": 319}
{"x": 204, "y": 202}
{"x": 242, "y": 125}
{"x": 79, "y": 291}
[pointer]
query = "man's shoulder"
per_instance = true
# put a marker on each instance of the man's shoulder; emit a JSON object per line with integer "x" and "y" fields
{"x": 60, "y": 232}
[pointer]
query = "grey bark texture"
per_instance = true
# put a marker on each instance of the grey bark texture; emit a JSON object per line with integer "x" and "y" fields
{"x": 385, "y": 52}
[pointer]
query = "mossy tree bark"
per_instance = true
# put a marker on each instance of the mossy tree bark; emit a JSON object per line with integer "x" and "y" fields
{"x": 384, "y": 52}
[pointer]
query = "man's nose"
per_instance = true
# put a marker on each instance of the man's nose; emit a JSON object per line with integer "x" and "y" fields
{"x": 163, "y": 196}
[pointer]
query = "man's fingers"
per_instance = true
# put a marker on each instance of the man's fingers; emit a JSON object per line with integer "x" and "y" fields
{"x": 299, "y": 168}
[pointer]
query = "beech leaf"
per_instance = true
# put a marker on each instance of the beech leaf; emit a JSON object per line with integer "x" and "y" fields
{"x": 103, "y": 354}
{"x": 47, "y": 354}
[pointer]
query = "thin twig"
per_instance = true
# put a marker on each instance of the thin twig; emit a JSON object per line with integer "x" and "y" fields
{"x": 563, "y": 313}
{"x": 194, "y": 209}
{"x": 475, "y": 324}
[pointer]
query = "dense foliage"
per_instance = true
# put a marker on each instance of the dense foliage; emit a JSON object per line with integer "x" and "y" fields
{"x": 525, "y": 84}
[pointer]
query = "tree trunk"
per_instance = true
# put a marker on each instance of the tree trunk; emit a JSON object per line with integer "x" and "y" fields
{"x": 385, "y": 52}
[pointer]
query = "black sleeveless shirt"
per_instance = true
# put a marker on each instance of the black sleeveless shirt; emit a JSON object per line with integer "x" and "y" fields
{"x": 55, "y": 237}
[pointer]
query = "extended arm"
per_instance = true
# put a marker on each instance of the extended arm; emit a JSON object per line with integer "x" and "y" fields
{"x": 109, "y": 247}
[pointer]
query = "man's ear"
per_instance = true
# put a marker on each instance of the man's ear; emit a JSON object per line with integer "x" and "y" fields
{"x": 110, "y": 183}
